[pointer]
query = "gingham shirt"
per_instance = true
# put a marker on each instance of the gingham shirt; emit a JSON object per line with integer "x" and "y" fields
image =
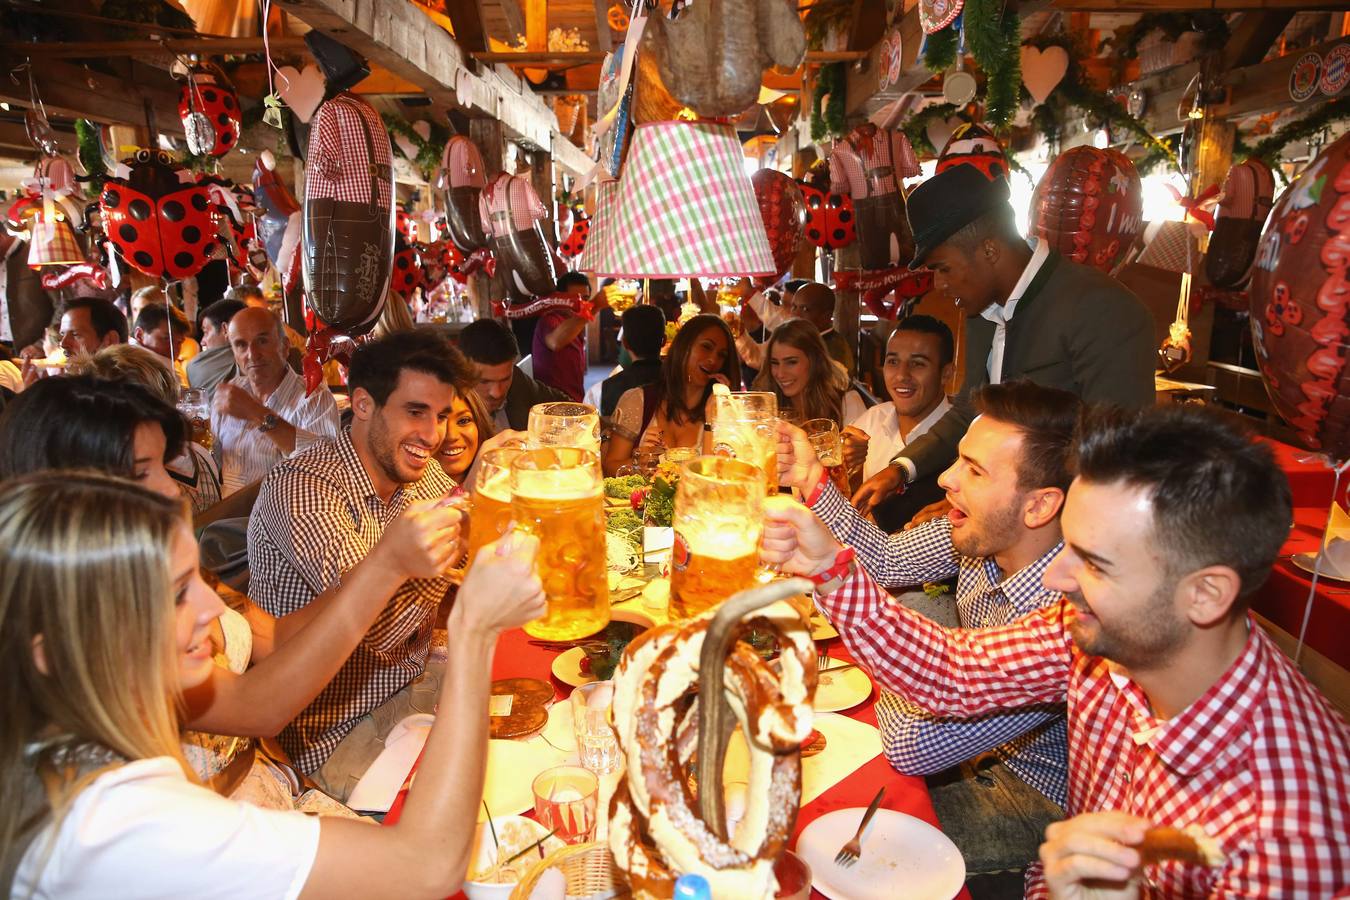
{"x": 317, "y": 516}
{"x": 350, "y": 153}
{"x": 1033, "y": 742}
{"x": 1260, "y": 761}
{"x": 247, "y": 454}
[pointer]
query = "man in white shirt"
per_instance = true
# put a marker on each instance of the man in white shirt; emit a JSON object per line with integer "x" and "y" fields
{"x": 261, "y": 416}
{"x": 919, "y": 362}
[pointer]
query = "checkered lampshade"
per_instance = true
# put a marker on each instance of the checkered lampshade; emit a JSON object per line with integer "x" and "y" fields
{"x": 52, "y": 243}
{"x": 606, "y": 194}
{"x": 685, "y": 207}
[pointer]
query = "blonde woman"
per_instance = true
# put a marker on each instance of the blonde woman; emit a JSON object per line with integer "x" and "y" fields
{"x": 809, "y": 384}
{"x": 103, "y": 627}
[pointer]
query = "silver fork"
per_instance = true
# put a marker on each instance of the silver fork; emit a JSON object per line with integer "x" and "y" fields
{"x": 822, "y": 659}
{"x": 851, "y": 851}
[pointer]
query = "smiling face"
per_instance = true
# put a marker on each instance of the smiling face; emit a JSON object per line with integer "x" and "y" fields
{"x": 914, "y": 373}
{"x": 982, "y": 487}
{"x": 461, "y": 441}
{"x": 1115, "y": 576}
{"x": 147, "y": 460}
{"x": 707, "y": 357}
{"x": 967, "y": 279}
{"x": 790, "y": 368}
{"x": 402, "y": 436}
{"x": 196, "y": 606}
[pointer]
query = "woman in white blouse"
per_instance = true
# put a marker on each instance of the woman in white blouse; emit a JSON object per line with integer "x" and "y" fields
{"x": 104, "y": 624}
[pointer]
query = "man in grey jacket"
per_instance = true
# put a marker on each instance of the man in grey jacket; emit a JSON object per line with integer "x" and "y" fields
{"x": 1031, "y": 314}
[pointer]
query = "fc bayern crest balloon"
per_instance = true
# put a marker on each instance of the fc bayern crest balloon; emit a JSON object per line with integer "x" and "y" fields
{"x": 1300, "y": 302}
{"x": 1088, "y": 205}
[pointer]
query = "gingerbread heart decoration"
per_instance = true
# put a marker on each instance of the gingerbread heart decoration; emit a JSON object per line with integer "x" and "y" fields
{"x": 1043, "y": 70}
{"x": 302, "y": 91}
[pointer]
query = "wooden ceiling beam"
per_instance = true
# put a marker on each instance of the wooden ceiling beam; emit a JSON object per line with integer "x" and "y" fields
{"x": 864, "y": 87}
{"x": 1114, "y": 6}
{"x": 548, "y": 58}
{"x": 14, "y": 136}
{"x": 515, "y": 18}
{"x": 466, "y": 17}
{"x": 604, "y": 41}
{"x": 74, "y": 92}
{"x": 1256, "y": 32}
{"x": 168, "y": 47}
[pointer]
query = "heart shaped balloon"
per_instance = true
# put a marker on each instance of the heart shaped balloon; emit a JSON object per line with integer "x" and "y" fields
{"x": 783, "y": 209}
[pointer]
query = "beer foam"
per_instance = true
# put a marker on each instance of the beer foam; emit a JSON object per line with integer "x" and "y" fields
{"x": 558, "y": 484}
{"x": 497, "y": 486}
{"x": 719, "y": 538}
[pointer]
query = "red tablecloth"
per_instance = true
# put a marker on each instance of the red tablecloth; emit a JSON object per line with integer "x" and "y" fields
{"x": 517, "y": 658}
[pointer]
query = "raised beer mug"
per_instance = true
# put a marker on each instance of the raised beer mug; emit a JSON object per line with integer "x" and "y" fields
{"x": 719, "y": 518}
{"x": 829, "y": 446}
{"x": 564, "y": 425}
{"x": 557, "y": 494}
{"x": 491, "y": 488}
{"x": 745, "y": 427}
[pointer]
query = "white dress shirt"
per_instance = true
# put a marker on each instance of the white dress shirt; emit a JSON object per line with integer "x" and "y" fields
{"x": 882, "y": 425}
{"x": 1001, "y": 315}
{"x": 247, "y": 454}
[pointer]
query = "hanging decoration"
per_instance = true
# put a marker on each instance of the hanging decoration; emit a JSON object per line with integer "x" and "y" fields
{"x": 1300, "y": 302}
{"x": 935, "y": 15}
{"x": 408, "y": 274}
{"x": 1043, "y": 69}
{"x": 827, "y": 103}
{"x": 302, "y": 91}
{"x": 829, "y": 218}
{"x": 1248, "y": 194}
{"x": 209, "y": 109}
{"x": 1268, "y": 149}
{"x": 419, "y": 142}
{"x": 1089, "y": 206}
{"x": 783, "y": 209}
{"x": 159, "y": 218}
{"x": 512, "y": 212}
{"x": 90, "y": 154}
{"x": 870, "y": 167}
{"x": 461, "y": 182}
{"x": 973, "y": 144}
{"x": 575, "y": 242}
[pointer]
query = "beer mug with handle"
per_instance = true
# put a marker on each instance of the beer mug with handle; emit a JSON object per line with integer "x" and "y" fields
{"x": 719, "y": 518}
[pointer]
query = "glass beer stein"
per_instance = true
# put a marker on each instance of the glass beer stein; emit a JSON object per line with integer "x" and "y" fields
{"x": 745, "y": 427}
{"x": 194, "y": 405}
{"x": 491, "y": 511}
{"x": 564, "y": 425}
{"x": 829, "y": 446}
{"x": 719, "y": 517}
{"x": 557, "y": 494}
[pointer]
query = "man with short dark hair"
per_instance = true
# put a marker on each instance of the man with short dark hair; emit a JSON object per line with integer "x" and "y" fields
{"x": 1030, "y": 314}
{"x": 216, "y": 361}
{"x": 815, "y": 303}
{"x": 1007, "y": 489}
{"x": 559, "y": 350}
{"x": 161, "y": 330}
{"x": 644, "y": 331}
{"x": 508, "y": 392}
{"x": 1182, "y": 711}
{"x": 88, "y": 324}
{"x": 322, "y": 511}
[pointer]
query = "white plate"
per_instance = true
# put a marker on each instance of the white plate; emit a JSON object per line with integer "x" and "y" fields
{"x": 896, "y": 850}
{"x": 567, "y": 668}
{"x": 1304, "y": 561}
{"x": 841, "y": 690}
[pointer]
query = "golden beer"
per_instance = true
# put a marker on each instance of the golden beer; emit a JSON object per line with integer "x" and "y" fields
{"x": 828, "y": 443}
{"x": 201, "y": 431}
{"x": 719, "y": 517}
{"x": 491, "y": 511}
{"x": 557, "y": 494}
{"x": 745, "y": 426}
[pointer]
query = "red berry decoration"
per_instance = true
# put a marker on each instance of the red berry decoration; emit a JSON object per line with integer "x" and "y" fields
{"x": 829, "y": 219}
{"x": 209, "y": 108}
{"x": 159, "y": 218}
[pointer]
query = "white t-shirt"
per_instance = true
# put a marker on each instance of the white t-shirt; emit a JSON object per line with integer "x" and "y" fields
{"x": 882, "y": 425}
{"x": 143, "y": 830}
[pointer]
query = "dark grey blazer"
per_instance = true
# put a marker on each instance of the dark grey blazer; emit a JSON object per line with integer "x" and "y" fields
{"x": 1076, "y": 329}
{"x": 524, "y": 393}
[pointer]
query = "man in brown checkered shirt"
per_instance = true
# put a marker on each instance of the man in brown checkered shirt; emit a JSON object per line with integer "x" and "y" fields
{"x": 321, "y": 512}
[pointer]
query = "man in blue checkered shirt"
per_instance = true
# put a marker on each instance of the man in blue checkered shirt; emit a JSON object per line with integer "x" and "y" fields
{"x": 1006, "y": 488}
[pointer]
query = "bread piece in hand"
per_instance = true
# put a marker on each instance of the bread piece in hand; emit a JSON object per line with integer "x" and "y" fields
{"x": 1189, "y": 844}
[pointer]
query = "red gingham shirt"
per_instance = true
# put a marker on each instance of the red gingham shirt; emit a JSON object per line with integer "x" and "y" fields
{"x": 1260, "y": 761}
{"x": 345, "y": 133}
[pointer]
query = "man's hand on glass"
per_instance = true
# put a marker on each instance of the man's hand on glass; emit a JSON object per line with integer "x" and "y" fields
{"x": 794, "y": 539}
{"x": 798, "y": 465}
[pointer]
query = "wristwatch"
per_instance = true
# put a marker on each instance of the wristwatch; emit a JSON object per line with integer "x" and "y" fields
{"x": 269, "y": 423}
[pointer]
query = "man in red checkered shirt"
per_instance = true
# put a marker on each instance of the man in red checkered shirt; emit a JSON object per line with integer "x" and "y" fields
{"x": 1181, "y": 711}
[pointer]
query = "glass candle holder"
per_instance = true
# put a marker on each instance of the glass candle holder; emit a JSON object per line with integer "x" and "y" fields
{"x": 719, "y": 518}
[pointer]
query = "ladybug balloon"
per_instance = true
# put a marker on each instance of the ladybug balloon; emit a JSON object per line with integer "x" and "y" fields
{"x": 1089, "y": 206}
{"x": 1300, "y": 302}
{"x": 975, "y": 145}
{"x": 575, "y": 242}
{"x": 160, "y": 219}
{"x": 783, "y": 209}
{"x": 408, "y": 273}
{"x": 829, "y": 218}
{"x": 209, "y": 108}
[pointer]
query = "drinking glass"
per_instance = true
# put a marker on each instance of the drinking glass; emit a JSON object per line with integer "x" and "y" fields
{"x": 557, "y": 495}
{"x": 719, "y": 518}
{"x": 564, "y": 425}
{"x": 829, "y": 446}
{"x": 597, "y": 744}
{"x": 490, "y": 512}
{"x": 566, "y": 799}
{"x": 195, "y": 406}
{"x": 745, "y": 427}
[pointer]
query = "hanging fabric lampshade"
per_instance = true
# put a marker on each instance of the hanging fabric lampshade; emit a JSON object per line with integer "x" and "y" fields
{"x": 606, "y": 194}
{"x": 52, "y": 242}
{"x": 685, "y": 207}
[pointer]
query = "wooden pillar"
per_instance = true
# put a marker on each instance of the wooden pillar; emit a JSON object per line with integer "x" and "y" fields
{"x": 487, "y": 134}
{"x": 846, "y": 311}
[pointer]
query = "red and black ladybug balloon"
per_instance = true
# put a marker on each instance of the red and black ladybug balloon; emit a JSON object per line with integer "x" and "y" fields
{"x": 575, "y": 242}
{"x": 829, "y": 218}
{"x": 408, "y": 273}
{"x": 209, "y": 108}
{"x": 159, "y": 218}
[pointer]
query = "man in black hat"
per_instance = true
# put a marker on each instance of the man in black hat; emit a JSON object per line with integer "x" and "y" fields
{"x": 1031, "y": 314}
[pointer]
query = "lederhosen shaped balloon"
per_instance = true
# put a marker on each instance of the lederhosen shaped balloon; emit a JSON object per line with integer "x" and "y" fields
{"x": 348, "y": 215}
{"x": 1089, "y": 206}
{"x": 1248, "y": 194}
{"x": 511, "y": 213}
{"x": 869, "y": 166}
{"x": 29, "y": 307}
{"x": 463, "y": 181}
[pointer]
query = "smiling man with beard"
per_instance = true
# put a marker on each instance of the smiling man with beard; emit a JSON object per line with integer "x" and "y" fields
{"x": 1183, "y": 714}
{"x": 322, "y": 511}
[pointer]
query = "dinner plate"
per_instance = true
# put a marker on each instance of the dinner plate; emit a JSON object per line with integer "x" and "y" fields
{"x": 837, "y": 691}
{"x": 821, "y": 629}
{"x": 1304, "y": 561}
{"x": 567, "y": 668}
{"x": 897, "y": 849}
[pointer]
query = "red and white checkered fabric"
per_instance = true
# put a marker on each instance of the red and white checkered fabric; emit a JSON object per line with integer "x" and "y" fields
{"x": 463, "y": 163}
{"x": 867, "y": 163}
{"x": 52, "y": 244}
{"x": 345, "y": 134}
{"x": 509, "y": 203}
{"x": 597, "y": 242}
{"x": 686, "y": 207}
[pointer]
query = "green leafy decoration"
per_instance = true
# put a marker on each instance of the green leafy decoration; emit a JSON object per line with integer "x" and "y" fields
{"x": 916, "y": 126}
{"x": 429, "y": 150}
{"x": 830, "y": 86}
{"x": 1268, "y": 148}
{"x": 91, "y": 154}
{"x": 824, "y": 16}
{"x": 939, "y": 50}
{"x": 994, "y": 35}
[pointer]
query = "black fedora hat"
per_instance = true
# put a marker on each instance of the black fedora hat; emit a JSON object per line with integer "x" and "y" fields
{"x": 948, "y": 202}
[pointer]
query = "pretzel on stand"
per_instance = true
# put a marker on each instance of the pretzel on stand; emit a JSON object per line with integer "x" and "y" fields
{"x": 655, "y": 832}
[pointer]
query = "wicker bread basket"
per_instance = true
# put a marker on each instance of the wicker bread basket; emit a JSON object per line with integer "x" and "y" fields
{"x": 588, "y": 868}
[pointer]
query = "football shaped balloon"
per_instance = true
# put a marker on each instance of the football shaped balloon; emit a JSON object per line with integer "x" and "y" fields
{"x": 1300, "y": 302}
{"x": 512, "y": 213}
{"x": 348, "y": 229}
{"x": 782, "y": 206}
{"x": 829, "y": 218}
{"x": 974, "y": 144}
{"x": 159, "y": 216}
{"x": 463, "y": 180}
{"x": 1088, "y": 205}
{"x": 209, "y": 108}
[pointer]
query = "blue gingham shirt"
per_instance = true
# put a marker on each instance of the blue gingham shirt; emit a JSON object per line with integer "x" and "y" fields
{"x": 1032, "y": 741}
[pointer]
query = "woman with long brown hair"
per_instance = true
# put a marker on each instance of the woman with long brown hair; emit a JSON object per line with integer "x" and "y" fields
{"x": 809, "y": 384}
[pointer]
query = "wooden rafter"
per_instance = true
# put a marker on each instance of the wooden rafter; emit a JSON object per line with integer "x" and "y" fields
{"x": 1191, "y": 5}
{"x": 75, "y": 92}
{"x": 548, "y": 59}
{"x": 172, "y": 46}
{"x": 604, "y": 42}
{"x": 466, "y": 17}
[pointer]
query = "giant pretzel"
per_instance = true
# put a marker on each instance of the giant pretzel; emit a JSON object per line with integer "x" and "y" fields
{"x": 655, "y": 833}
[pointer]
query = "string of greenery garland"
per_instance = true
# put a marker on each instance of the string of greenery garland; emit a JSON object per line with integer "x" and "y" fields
{"x": 830, "y": 86}
{"x": 429, "y": 150}
{"x": 939, "y": 50}
{"x": 1212, "y": 26}
{"x": 90, "y": 154}
{"x": 994, "y": 35}
{"x": 1268, "y": 148}
{"x": 916, "y": 126}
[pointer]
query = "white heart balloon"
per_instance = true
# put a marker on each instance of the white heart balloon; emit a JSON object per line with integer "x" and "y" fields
{"x": 1042, "y": 70}
{"x": 423, "y": 128}
{"x": 939, "y": 133}
{"x": 301, "y": 91}
{"x": 404, "y": 143}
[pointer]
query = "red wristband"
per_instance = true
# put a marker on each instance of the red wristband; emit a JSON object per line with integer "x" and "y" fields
{"x": 838, "y": 570}
{"x": 814, "y": 495}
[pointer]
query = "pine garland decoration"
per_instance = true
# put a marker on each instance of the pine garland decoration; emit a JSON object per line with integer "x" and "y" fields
{"x": 939, "y": 50}
{"x": 1268, "y": 148}
{"x": 429, "y": 150}
{"x": 90, "y": 154}
{"x": 916, "y": 126}
{"x": 830, "y": 86}
{"x": 994, "y": 35}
